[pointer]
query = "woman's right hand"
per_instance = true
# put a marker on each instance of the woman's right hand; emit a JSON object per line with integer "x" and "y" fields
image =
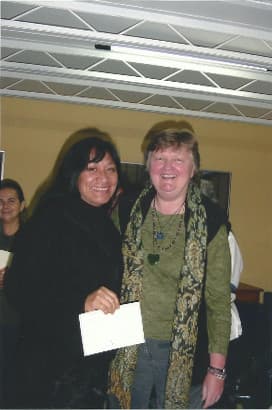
{"x": 102, "y": 299}
{"x": 2, "y": 273}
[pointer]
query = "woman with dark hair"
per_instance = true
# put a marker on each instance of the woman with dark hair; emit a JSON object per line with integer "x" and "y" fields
{"x": 67, "y": 261}
{"x": 12, "y": 215}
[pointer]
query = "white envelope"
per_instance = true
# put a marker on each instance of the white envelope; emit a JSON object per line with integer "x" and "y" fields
{"x": 101, "y": 332}
{"x": 4, "y": 258}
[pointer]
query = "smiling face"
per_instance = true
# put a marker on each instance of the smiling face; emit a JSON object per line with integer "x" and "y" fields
{"x": 171, "y": 170}
{"x": 10, "y": 205}
{"x": 97, "y": 183}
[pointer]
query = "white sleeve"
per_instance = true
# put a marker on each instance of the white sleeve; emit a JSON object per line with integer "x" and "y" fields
{"x": 236, "y": 260}
{"x": 236, "y": 325}
{"x": 236, "y": 270}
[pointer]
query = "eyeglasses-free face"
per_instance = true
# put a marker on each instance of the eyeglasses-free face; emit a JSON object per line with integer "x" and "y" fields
{"x": 97, "y": 183}
{"x": 171, "y": 170}
{"x": 10, "y": 206}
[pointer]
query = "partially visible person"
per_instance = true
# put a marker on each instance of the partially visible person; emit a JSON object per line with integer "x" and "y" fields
{"x": 234, "y": 352}
{"x": 234, "y": 359}
{"x": 67, "y": 261}
{"x": 237, "y": 266}
{"x": 237, "y": 263}
{"x": 12, "y": 215}
{"x": 177, "y": 264}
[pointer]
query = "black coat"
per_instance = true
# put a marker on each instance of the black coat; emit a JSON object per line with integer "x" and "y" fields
{"x": 67, "y": 250}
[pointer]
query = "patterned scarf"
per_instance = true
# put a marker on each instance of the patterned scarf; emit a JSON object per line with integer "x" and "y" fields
{"x": 185, "y": 322}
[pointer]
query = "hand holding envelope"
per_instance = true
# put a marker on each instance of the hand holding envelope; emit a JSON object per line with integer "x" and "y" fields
{"x": 102, "y": 299}
{"x": 101, "y": 332}
{"x": 4, "y": 261}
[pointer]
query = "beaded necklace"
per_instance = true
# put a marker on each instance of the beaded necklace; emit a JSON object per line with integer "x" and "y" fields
{"x": 158, "y": 234}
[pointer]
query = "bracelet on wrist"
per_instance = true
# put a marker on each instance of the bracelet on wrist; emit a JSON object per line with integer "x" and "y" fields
{"x": 219, "y": 373}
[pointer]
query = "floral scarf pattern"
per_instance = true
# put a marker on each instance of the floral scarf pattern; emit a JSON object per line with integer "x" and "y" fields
{"x": 185, "y": 321}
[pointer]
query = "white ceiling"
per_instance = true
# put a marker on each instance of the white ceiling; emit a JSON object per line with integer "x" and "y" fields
{"x": 183, "y": 55}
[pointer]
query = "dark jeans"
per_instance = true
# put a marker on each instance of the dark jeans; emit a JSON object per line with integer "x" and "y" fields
{"x": 148, "y": 389}
{"x": 150, "y": 375}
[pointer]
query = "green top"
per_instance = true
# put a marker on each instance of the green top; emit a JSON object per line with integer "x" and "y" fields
{"x": 160, "y": 281}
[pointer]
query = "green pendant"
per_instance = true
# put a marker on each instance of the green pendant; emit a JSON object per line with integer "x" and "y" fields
{"x": 153, "y": 258}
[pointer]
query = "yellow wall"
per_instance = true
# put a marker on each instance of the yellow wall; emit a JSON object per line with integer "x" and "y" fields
{"x": 32, "y": 133}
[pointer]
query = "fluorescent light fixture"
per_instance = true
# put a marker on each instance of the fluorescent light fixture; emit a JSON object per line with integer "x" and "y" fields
{"x": 184, "y": 58}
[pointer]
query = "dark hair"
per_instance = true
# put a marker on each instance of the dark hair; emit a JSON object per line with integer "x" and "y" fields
{"x": 171, "y": 133}
{"x": 12, "y": 184}
{"x": 75, "y": 160}
{"x": 78, "y": 157}
{"x": 71, "y": 161}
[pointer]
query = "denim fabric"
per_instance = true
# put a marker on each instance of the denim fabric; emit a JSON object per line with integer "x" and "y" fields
{"x": 148, "y": 389}
{"x": 195, "y": 401}
{"x": 150, "y": 375}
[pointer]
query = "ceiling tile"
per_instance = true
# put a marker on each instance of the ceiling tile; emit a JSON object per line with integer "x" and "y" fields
{"x": 268, "y": 116}
{"x": 151, "y": 71}
{"x": 222, "y": 108}
{"x": 98, "y": 93}
{"x": 203, "y": 38}
{"x": 34, "y": 57}
{"x": 115, "y": 67}
{"x": 156, "y": 31}
{"x": 11, "y": 10}
{"x": 249, "y": 45}
{"x": 54, "y": 17}
{"x": 191, "y": 77}
{"x": 161, "y": 101}
{"x": 107, "y": 24}
{"x": 251, "y": 111}
{"x": 64, "y": 89}
{"x": 6, "y": 81}
{"x": 128, "y": 96}
{"x": 31, "y": 86}
{"x": 232, "y": 83}
{"x": 75, "y": 61}
{"x": 261, "y": 87}
{"x": 195, "y": 105}
{"x": 5, "y": 51}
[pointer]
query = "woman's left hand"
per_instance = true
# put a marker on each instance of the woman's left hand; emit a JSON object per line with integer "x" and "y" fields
{"x": 102, "y": 299}
{"x": 212, "y": 390}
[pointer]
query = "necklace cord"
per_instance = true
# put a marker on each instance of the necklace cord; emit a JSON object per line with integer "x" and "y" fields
{"x": 158, "y": 234}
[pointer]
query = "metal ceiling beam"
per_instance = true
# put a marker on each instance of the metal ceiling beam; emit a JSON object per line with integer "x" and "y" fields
{"x": 130, "y": 83}
{"x": 46, "y": 36}
{"x": 135, "y": 106}
{"x": 148, "y": 13}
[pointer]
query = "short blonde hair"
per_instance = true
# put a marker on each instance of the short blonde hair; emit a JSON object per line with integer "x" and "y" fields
{"x": 172, "y": 135}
